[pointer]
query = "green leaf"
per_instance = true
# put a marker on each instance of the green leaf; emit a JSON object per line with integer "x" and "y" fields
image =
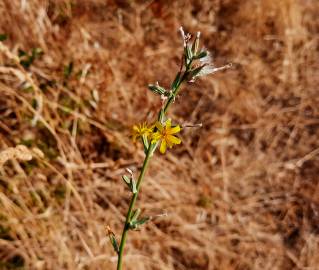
{"x": 126, "y": 179}
{"x": 114, "y": 243}
{"x": 133, "y": 186}
{"x": 130, "y": 182}
{"x": 134, "y": 224}
{"x": 142, "y": 221}
{"x": 135, "y": 214}
{"x": 200, "y": 55}
{"x": 194, "y": 72}
{"x": 157, "y": 89}
{"x": 176, "y": 81}
{"x": 3, "y": 37}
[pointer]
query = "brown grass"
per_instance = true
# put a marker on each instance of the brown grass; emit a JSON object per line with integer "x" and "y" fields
{"x": 240, "y": 193}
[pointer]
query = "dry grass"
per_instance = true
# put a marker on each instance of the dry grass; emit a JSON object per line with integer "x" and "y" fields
{"x": 240, "y": 193}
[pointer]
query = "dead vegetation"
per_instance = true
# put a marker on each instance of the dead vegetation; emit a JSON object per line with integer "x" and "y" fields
{"x": 240, "y": 193}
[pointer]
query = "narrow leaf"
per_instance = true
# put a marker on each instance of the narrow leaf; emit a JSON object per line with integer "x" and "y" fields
{"x": 157, "y": 89}
{"x": 114, "y": 243}
{"x": 133, "y": 186}
{"x": 126, "y": 179}
{"x": 193, "y": 73}
{"x": 142, "y": 221}
{"x": 135, "y": 214}
{"x": 134, "y": 224}
{"x": 112, "y": 239}
{"x": 176, "y": 81}
{"x": 200, "y": 55}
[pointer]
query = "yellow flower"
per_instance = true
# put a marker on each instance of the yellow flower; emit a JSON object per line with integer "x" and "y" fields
{"x": 165, "y": 135}
{"x": 140, "y": 130}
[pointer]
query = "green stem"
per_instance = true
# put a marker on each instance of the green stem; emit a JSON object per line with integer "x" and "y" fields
{"x": 148, "y": 156}
{"x": 131, "y": 207}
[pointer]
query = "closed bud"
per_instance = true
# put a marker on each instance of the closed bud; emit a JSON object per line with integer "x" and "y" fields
{"x": 188, "y": 53}
{"x": 196, "y": 44}
{"x": 201, "y": 54}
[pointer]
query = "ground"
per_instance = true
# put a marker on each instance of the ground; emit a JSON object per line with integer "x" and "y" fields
{"x": 239, "y": 193}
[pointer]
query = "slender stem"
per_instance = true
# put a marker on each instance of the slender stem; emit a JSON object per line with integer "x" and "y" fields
{"x": 148, "y": 156}
{"x": 132, "y": 203}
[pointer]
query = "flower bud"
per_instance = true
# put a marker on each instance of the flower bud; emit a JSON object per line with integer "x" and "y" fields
{"x": 196, "y": 44}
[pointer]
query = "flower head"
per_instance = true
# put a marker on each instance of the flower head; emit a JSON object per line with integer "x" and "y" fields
{"x": 164, "y": 134}
{"x": 141, "y": 129}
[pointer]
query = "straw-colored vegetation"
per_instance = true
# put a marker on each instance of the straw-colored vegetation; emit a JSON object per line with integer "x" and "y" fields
{"x": 241, "y": 192}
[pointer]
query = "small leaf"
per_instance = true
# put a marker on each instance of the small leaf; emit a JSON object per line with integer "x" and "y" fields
{"x": 142, "y": 221}
{"x": 133, "y": 186}
{"x": 126, "y": 179}
{"x": 176, "y": 81}
{"x": 130, "y": 182}
{"x": 114, "y": 243}
{"x": 194, "y": 72}
{"x": 3, "y": 37}
{"x": 157, "y": 89}
{"x": 135, "y": 214}
{"x": 113, "y": 239}
{"x": 134, "y": 224}
{"x": 200, "y": 55}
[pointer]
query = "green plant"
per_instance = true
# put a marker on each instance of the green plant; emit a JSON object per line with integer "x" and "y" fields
{"x": 162, "y": 133}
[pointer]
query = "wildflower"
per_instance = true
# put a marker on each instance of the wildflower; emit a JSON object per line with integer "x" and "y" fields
{"x": 165, "y": 135}
{"x": 140, "y": 130}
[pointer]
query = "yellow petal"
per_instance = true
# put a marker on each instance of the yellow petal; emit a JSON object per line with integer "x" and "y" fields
{"x": 159, "y": 126}
{"x": 151, "y": 126}
{"x": 155, "y": 137}
{"x": 174, "y": 130}
{"x": 173, "y": 139}
{"x": 163, "y": 147}
{"x": 168, "y": 123}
